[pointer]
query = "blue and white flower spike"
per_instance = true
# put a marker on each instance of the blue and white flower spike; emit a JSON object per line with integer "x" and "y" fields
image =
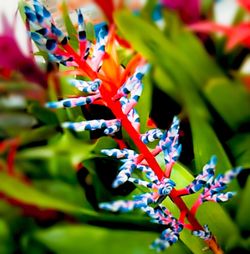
{"x": 73, "y": 102}
{"x": 134, "y": 82}
{"x": 92, "y": 125}
{"x": 151, "y": 136}
{"x": 214, "y": 187}
{"x": 88, "y": 87}
{"x": 167, "y": 238}
{"x": 203, "y": 178}
{"x": 120, "y": 154}
{"x": 204, "y": 234}
{"x": 149, "y": 173}
{"x": 125, "y": 172}
{"x": 169, "y": 144}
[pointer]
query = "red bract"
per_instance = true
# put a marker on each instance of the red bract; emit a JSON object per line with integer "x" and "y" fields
{"x": 245, "y": 4}
{"x": 189, "y": 12}
{"x": 107, "y": 7}
{"x": 236, "y": 35}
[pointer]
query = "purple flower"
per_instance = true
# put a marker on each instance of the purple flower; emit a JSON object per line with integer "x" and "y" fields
{"x": 189, "y": 10}
{"x": 13, "y": 59}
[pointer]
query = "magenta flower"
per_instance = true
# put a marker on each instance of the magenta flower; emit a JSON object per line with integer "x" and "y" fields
{"x": 189, "y": 10}
{"x": 13, "y": 59}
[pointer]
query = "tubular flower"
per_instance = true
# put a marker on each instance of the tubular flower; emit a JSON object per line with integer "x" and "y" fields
{"x": 120, "y": 89}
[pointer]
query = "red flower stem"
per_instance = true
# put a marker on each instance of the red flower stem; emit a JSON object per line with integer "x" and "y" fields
{"x": 81, "y": 63}
{"x": 195, "y": 206}
{"x": 183, "y": 192}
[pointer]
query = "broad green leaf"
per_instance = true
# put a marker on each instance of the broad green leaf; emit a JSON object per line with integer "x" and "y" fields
{"x": 104, "y": 143}
{"x": 243, "y": 218}
{"x": 90, "y": 239}
{"x": 219, "y": 222}
{"x": 192, "y": 48}
{"x": 163, "y": 81}
{"x": 231, "y": 100}
{"x": 206, "y": 5}
{"x": 15, "y": 86}
{"x": 206, "y": 144}
{"x": 27, "y": 194}
{"x": 240, "y": 148}
{"x": 63, "y": 191}
{"x": 67, "y": 144}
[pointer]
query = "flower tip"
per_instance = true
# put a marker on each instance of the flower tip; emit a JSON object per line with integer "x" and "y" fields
{"x": 213, "y": 160}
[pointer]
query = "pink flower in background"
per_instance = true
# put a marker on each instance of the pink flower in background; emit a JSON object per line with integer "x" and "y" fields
{"x": 189, "y": 10}
{"x": 13, "y": 59}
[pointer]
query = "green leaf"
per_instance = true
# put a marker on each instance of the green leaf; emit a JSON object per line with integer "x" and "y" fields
{"x": 206, "y": 144}
{"x": 38, "y": 134}
{"x": 144, "y": 105}
{"x": 152, "y": 43}
{"x": 242, "y": 217}
{"x": 46, "y": 116}
{"x": 231, "y": 100}
{"x": 69, "y": 26}
{"x": 90, "y": 31}
{"x": 89, "y": 239}
{"x": 63, "y": 191}
{"x": 240, "y": 148}
{"x": 192, "y": 48}
{"x": 164, "y": 83}
{"x": 66, "y": 144}
{"x": 6, "y": 246}
{"x": 27, "y": 194}
{"x": 219, "y": 222}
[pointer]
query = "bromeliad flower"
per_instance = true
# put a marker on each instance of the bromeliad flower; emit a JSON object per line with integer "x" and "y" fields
{"x": 104, "y": 80}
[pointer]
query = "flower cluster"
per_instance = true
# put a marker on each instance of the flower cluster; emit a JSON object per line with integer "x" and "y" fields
{"x": 122, "y": 99}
